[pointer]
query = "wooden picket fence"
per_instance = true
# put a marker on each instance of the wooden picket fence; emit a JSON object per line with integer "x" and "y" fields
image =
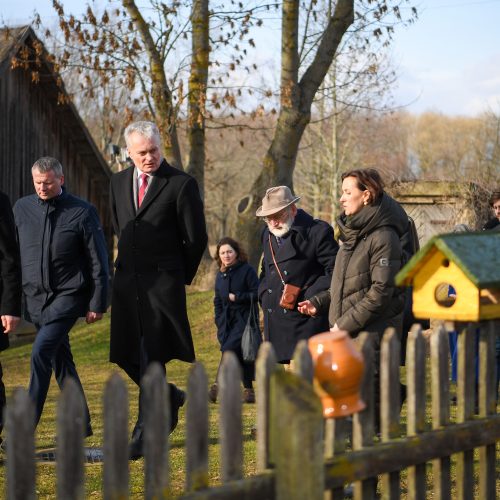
{"x": 299, "y": 456}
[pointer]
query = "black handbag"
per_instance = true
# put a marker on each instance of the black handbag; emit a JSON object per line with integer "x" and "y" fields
{"x": 251, "y": 338}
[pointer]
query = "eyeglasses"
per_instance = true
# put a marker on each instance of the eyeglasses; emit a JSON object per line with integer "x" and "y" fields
{"x": 277, "y": 217}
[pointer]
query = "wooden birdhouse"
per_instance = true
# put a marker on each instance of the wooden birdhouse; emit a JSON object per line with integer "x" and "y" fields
{"x": 456, "y": 277}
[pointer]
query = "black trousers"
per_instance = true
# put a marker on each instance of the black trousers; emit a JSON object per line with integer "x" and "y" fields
{"x": 3, "y": 399}
{"x": 135, "y": 373}
{"x": 51, "y": 352}
{"x": 247, "y": 369}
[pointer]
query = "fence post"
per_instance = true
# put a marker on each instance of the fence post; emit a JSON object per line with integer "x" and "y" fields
{"x": 302, "y": 362}
{"x": 69, "y": 454}
{"x": 466, "y": 394}
{"x": 415, "y": 379}
{"x": 296, "y": 431}
{"x": 115, "y": 468}
{"x": 363, "y": 422}
{"x": 156, "y": 427}
{"x": 335, "y": 428}
{"x": 230, "y": 422}
{"x": 390, "y": 399}
{"x": 197, "y": 430}
{"x": 487, "y": 403}
{"x": 440, "y": 366}
{"x": 264, "y": 367}
{"x": 21, "y": 447}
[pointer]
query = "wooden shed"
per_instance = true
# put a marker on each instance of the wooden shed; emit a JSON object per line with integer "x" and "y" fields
{"x": 437, "y": 206}
{"x": 38, "y": 119}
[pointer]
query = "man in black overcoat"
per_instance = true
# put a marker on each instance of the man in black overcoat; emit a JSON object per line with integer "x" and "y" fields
{"x": 10, "y": 284}
{"x": 304, "y": 250}
{"x": 158, "y": 217}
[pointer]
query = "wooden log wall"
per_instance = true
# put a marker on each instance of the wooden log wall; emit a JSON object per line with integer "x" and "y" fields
{"x": 33, "y": 124}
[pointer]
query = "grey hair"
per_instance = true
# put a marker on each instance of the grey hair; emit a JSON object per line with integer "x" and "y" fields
{"x": 48, "y": 164}
{"x": 146, "y": 129}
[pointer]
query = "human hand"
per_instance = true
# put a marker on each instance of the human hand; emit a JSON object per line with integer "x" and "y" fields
{"x": 9, "y": 323}
{"x": 92, "y": 317}
{"x": 232, "y": 297}
{"x": 307, "y": 307}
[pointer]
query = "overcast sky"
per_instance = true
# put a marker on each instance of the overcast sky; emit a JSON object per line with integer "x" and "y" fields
{"x": 448, "y": 61}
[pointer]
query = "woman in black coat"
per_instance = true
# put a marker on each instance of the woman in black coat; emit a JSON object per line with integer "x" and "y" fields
{"x": 235, "y": 293}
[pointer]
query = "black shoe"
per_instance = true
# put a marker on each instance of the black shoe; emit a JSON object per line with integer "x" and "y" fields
{"x": 177, "y": 400}
{"x": 135, "y": 449}
{"x": 213, "y": 393}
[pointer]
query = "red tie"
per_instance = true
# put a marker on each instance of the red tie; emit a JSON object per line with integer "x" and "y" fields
{"x": 142, "y": 189}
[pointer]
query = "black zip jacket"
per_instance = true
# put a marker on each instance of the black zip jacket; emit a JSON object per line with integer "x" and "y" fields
{"x": 63, "y": 257}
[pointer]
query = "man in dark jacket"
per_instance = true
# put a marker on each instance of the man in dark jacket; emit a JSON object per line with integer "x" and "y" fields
{"x": 65, "y": 274}
{"x": 300, "y": 251}
{"x": 158, "y": 217}
{"x": 10, "y": 284}
{"x": 494, "y": 223}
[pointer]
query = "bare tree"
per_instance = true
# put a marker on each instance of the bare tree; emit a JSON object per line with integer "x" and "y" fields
{"x": 145, "y": 49}
{"x": 298, "y": 89}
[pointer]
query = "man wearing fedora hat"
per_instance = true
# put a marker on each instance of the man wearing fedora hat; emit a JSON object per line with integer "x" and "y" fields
{"x": 299, "y": 253}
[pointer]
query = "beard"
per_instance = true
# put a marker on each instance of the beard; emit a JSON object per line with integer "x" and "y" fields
{"x": 284, "y": 229}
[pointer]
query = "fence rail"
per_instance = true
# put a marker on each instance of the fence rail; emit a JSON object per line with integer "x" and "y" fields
{"x": 298, "y": 454}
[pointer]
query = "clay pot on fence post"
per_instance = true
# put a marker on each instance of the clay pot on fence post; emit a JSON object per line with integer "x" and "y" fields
{"x": 338, "y": 371}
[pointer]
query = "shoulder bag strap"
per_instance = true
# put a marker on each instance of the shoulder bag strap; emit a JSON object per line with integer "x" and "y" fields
{"x": 274, "y": 260}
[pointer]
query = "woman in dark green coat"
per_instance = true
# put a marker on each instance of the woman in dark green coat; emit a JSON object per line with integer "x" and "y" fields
{"x": 363, "y": 296}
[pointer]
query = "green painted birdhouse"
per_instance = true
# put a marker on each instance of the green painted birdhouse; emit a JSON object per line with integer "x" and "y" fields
{"x": 456, "y": 277}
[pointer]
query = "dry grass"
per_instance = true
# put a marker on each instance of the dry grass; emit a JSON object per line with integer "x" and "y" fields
{"x": 90, "y": 346}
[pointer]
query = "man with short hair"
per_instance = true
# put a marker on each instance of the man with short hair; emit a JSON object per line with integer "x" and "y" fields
{"x": 158, "y": 217}
{"x": 298, "y": 251}
{"x": 64, "y": 265}
{"x": 10, "y": 285}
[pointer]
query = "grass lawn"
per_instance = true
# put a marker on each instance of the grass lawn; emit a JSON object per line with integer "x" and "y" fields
{"x": 90, "y": 346}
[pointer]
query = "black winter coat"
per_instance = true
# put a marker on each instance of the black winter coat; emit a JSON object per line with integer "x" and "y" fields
{"x": 492, "y": 224}
{"x": 363, "y": 293}
{"x": 10, "y": 267}
{"x": 231, "y": 317}
{"x": 306, "y": 259}
{"x": 159, "y": 249}
{"x": 63, "y": 258}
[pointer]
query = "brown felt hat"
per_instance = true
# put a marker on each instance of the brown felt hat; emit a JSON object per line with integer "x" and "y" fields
{"x": 276, "y": 199}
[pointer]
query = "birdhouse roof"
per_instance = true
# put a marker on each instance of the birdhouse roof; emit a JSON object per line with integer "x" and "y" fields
{"x": 476, "y": 254}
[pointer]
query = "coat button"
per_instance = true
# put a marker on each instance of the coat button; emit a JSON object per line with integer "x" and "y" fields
{"x": 269, "y": 310}
{"x": 270, "y": 291}
{"x": 285, "y": 272}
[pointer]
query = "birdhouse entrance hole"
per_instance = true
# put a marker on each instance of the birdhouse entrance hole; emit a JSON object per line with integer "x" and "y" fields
{"x": 445, "y": 294}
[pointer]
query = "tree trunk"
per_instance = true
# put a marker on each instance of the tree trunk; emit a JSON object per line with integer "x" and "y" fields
{"x": 197, "y": 92}
{"x": 160, "y": 92}
{"x": 295, "y": 112}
